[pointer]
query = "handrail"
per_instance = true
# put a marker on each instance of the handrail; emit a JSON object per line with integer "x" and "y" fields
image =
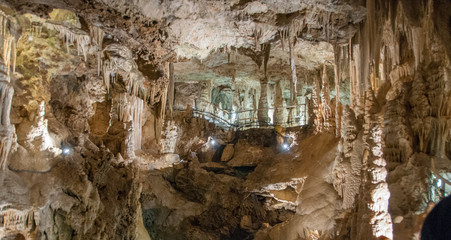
{"x": 246, "y": 110}
{"x": 241, "y": 123}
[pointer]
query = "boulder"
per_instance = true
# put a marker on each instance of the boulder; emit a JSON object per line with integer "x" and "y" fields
{"x": 228, "y": 153}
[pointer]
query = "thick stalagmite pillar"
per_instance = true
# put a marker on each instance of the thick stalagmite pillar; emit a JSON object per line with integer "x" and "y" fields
{"x": 278, "y": 105}
{"x": 6, "y": 129}
{"x": 316, "y": 100}
{"x": 375, "y": 191}
{"x": 262, "y": 114}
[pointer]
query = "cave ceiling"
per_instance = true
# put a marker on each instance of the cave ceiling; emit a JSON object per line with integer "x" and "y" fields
{"x": 217, "y": 40}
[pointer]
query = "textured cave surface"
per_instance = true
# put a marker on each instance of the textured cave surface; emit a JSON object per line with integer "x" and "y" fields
{"x": 231, "y": 119}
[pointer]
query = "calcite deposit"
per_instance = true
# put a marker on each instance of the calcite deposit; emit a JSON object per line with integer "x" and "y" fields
{"x": 230, "y": 119}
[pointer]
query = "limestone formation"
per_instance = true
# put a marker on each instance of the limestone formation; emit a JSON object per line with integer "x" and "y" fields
{"x": 196, "y": 119}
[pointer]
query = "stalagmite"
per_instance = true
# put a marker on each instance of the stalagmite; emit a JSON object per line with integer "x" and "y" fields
{"x": 374, "y": 164}
{"x": 348, "y": 163}
{"x": 169, "y": 143}
{"x": 175, "y": 168}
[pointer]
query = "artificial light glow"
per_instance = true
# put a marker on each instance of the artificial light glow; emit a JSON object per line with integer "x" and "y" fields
{"x": 66, "y": 150}
{"x": 439, "y": 183}
{"x": 285, "y": 146}
{"x": 213, "y": 142}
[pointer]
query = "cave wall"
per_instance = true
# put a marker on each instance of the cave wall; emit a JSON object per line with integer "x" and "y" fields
{"x": 99, "y": 137}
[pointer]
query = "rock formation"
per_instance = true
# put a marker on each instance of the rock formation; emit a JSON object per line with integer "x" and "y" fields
{"x": 187, "y": 119}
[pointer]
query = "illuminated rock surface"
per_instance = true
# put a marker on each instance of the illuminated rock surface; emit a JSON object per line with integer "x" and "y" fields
{"x": 185, "y": 119}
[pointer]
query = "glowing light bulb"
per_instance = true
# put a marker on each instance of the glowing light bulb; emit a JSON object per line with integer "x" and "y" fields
{"x": 66, "y": 150}
{"x": 213, "y": 142}
{"x": 439, "y": 183}
{"x": 285, "y": 146}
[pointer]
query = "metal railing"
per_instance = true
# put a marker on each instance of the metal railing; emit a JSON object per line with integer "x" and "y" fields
{"x": 246, "y": 119}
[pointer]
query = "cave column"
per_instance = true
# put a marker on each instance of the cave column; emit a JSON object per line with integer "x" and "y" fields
{"x": 338, "y": 108}
{"x": 278, "y": 105}
{"x": 325, "y": 101}
{"x": 262, "y": 114}
{"x": 375, "y": 192}
{"x": 316, "y": 104}
{"x": 6, "y": 129}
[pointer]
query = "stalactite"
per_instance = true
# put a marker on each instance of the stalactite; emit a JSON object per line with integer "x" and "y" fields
{"x": 293, "y": 29}
{"x": 72, "y": 36}
{"x": 294, "y": 78}
{"x": 108, "y": 69}
{"x": 258, "y": 33}
{"x": 8, "y": 42}
{"x": 9, "y": 52}
{"x": 357, "y": 83}
{"x": 171, "y": 88}
{"x": 131, "y": 109}
{"x": 3, "y": 22}
{"x": 283, "y": 33}
{"x": 164, "y": 96}
{"x": 6, "y": 129}
{"x": 6, "y": 90}
{"x": 97, "y": 34}
{"x": 326, "y": 26}
{"x": 35, "y": 29}
{"x": 16, "y": 220}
